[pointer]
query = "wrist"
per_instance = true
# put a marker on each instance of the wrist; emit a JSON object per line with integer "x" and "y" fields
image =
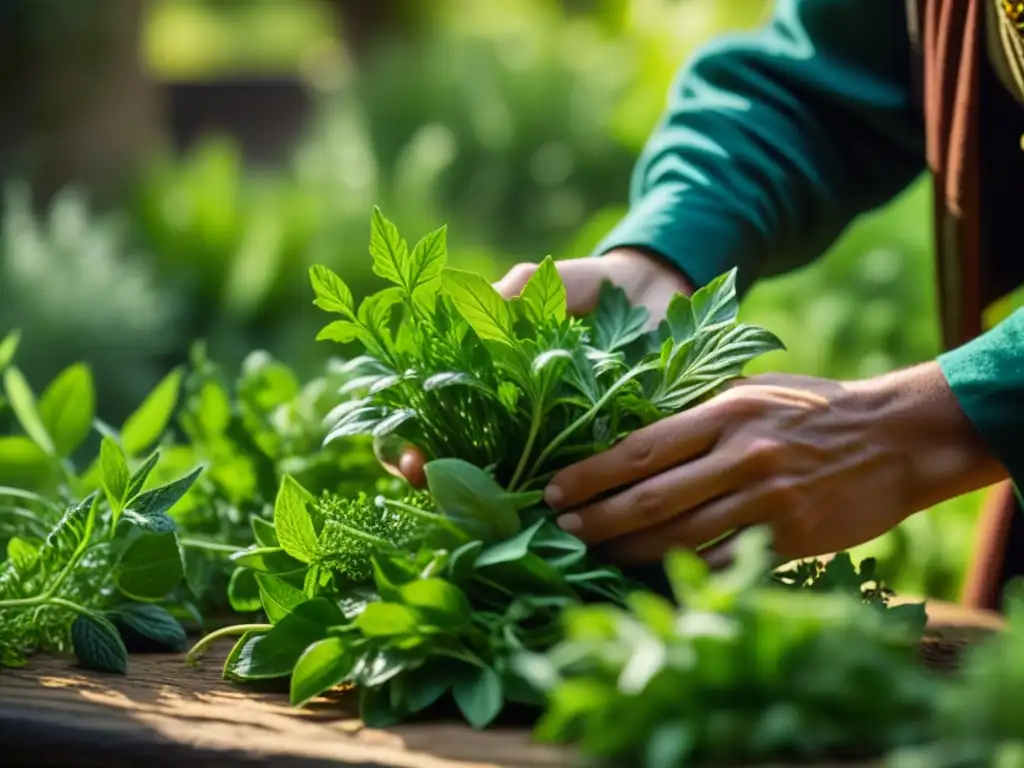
{"x": 640, "y": 257}
{"x": 916, "y": 415}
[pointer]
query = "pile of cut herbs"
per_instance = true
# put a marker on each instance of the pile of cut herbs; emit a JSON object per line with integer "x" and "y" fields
{"x": 113, "y": 537}
{"x": 465, "y": 593}
{"x": 458, "y": 592}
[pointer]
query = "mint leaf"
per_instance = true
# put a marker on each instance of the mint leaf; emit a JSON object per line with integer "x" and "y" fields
{"x": 154, "y": 504}
{"x": 278, "y": 597}
{"x": 145, "y": 426}
{"x": 389, "y": 251}
{"x": 98, "y": 645}
{"x": 332, "y": 295}
{"x": 480, "y": 305}
{"x": 341, "y": 331}
{"x": 423, "y": 278}
{"x": 292, "y": 521}
{"x": 138, "y": 479}
{"x": 544, "y": 294}
{"x": 616, "y": 323}
{"x": 67, "y": 407}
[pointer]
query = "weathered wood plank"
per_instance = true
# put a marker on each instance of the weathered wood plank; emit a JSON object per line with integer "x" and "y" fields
{"x": 167, "y": 714}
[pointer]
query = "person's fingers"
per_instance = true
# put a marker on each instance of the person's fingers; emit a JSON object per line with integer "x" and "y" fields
{"x": 411, "y": 466}
{"x": 646, "y": 452}
{"x": 652, "y": 503}
{"x": 582, "y": 279}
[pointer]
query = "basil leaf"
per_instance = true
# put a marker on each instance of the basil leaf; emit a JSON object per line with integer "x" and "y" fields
{"x": 471, "y": 498}
{"x": 322, "y": 666}
{"x": 478, "y": 694}
{"x": 150, "y": 567}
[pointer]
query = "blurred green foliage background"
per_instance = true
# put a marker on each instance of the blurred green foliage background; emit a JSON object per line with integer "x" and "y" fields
{"x": 515, "y": 121}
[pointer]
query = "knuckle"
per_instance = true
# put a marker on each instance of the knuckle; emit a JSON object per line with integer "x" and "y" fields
{"x": 638, "y": 451}
{"x": 738, "y": 404}
{"x": 644, "y": 501}
{"x": 783, "y": 493}
{"x": 764, "y": 456}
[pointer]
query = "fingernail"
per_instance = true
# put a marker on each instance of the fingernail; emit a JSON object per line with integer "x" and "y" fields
{"x": 571, "y": 522}
{"x": 553, "y": 496}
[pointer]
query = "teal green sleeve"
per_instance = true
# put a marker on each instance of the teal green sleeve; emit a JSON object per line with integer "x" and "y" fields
{"x": 773, "y": 141}
{"x": 987, "y": 377}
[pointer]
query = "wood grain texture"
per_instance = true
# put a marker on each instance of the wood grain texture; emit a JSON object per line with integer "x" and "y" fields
{"x": 165, "y": 713}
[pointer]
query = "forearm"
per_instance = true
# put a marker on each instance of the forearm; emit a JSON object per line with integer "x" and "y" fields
{"x": 933, "y": 442}
{"x": 774, "y": 141}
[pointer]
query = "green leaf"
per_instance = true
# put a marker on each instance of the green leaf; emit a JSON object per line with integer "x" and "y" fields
{"x": 472, "y": 499}
{"x": 275, "y": 653}
{"x": 141, "y": 475}
{"x": 425, "y": 685}
{"x": 151, "y": 622}
{"x": 9, "y": 348}
{"x": 616, "y": 323}
{"x": 480, "y": 305}
{"x": 321, "y": 667}
{"x": 272, "y": 560}
{"x": 332, "y": 295}
{"x": 425, "y": 267}
{"x": 67, "y": 407}
{"x": 145, "y": 426}
{"x": 510, "y": 550}
{"x": 243, "y": 591}
{"x": 479, "y": 695}
{"x": 263, "y": 532}
{"x": 389, "y": 251}
{"x": 438, "y": 602}
{"x": 150, "y": 508}
{"x": 341, "y": 331}
{"x": 114, "y": 468}
{"x": 544, "y": 294}
{"x": 386, "y": 620}
{"x": 24, "y": 464}
{"x": 23, "y": 403}
{"x": 98, "y": 645}
{"x": 21, "y": 553}
{"x": 278, "y": 597}
{"x": 150, "y": 567}
{"x": 292, "y": 521}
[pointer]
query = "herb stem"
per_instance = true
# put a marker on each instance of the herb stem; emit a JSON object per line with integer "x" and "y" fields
{"x": 535, "y": 419}
{"x": 566, "y": 433}
{"x": 209, "y": 546}
{"x": 238, "y": 629}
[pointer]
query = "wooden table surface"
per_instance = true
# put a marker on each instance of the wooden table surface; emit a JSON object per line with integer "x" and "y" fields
{"x": 167, "y": 714}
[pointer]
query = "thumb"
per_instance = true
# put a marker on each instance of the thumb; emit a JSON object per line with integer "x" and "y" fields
{"x": 512, "y": 284}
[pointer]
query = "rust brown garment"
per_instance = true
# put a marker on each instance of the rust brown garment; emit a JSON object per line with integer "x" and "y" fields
{"x": 972, "y": 125}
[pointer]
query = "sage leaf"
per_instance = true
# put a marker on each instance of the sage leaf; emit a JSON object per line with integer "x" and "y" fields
{"x": 97, "y": 644}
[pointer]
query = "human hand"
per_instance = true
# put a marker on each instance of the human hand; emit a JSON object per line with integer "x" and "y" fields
{"x": 647, "y": 281}
{"x": 826, "y": 465}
